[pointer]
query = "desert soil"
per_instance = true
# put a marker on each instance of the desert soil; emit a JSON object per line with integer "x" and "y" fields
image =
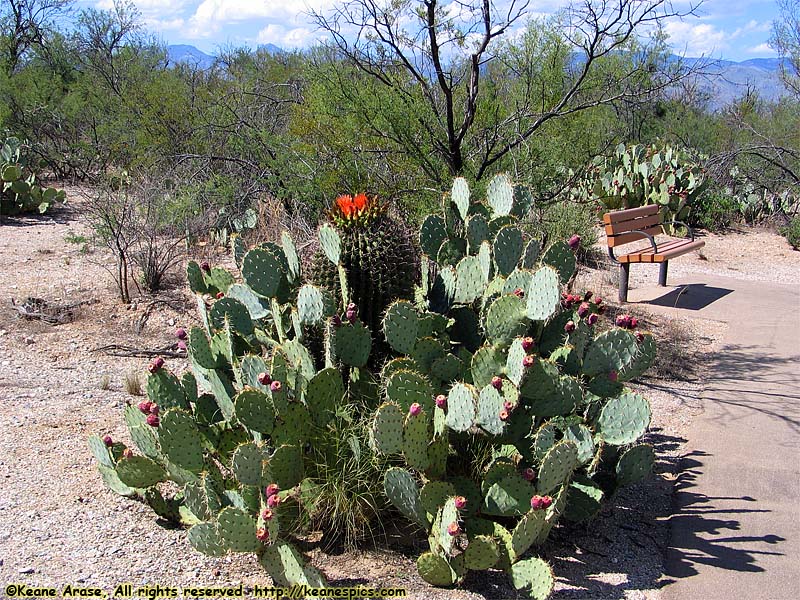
{"x": 59, "y": 525}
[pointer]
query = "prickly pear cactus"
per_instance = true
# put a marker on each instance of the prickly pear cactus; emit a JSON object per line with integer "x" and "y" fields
{"x": 636, "y": 175}
{"x": 377, "y": 255}
{"x": 251, "y": 434}
{"x": 497, "y": 354}
{"x": 19, "y": 190}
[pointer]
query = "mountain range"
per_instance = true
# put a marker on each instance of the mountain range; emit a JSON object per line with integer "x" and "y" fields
{"x": 722, "y": 80}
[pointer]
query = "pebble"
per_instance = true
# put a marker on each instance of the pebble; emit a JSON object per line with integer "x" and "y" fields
{"x": 29, "y": 340}
{"x": 27, "y": 571}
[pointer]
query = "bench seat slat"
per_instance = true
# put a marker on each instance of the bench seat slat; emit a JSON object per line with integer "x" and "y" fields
{"x": 626, "y": 238}
{"x": 666, "y": 252}
{"x": 629, "y": 214}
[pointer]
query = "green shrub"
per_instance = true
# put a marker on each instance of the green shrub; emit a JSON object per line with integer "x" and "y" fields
{"x": 792, "y": 232}
{"x": 716, "y": 210}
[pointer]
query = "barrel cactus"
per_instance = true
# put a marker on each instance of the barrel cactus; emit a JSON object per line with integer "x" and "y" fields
{"x": 378, "y": 256}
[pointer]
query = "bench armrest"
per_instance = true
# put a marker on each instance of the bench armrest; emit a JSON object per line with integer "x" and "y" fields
{"x": 688, "y": 229}
{"x": 644, "y": 235}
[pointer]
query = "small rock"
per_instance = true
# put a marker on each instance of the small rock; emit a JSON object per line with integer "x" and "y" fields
{"x": 29, "y": 340}
{"x": 27, "y": 571}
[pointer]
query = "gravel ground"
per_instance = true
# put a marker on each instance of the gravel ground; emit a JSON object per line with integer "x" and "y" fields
{"x": 59, "y": 525}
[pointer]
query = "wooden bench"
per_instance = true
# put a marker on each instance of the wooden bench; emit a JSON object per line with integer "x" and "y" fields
{"x": 640, "y": 224}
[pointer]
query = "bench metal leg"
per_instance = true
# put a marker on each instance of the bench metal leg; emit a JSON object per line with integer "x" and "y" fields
{"x": 624, "y": 273}
{"x": 662, "y": 274}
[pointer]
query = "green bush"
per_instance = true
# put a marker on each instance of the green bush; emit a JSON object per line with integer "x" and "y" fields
{"x": 716, "y": 210}
{"x": 792, "y": 232}
{"x": 563, "y": 219}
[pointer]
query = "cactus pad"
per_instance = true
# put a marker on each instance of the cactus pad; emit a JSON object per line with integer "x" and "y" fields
{"x": 287, "y": 567}
{"x": 312, "y": 305}
{"x": 140, "y": 472}
{"x": 286, "y": 466}
{"x": 481, "y": 553}
{"x": 401, "y": 326}
{"x": 257, "y": 307}
{"x": 527, "y": 531}
{"x": 181, "y": 441}
{"x": 487, "y": 362}
{"x": 254, "y": 410}
{"x": 477, "y": 232}
{"x": 583, "y": 500}
{"x": 331, "y": 243}
{"x": 490, "y": 403}
{"x": 407, "y": 387}
{"x": 387, "y": 429}
{"x": 461, "y": 407}
{"x": 615, "y": 349}
{"x": 469, "y": 280}
{"x": 415, "y": 441}
{"x": 624, "y": 419}
{"x": 557, "y": 466}
{"x": 581, "y": 436}
{"x": 292, "y": 259}
{"x": 542, "y": 295}
{"x": 508, "y": 247}
{"x": 231, "y": 311}
{"x": 511, "y": 496}
{"x": 205, "y": 538}
{"x": 506, "y": 320}
{"x": 436, "y": 570}
{"x": 434, "y": 494}
{"x": 323, "y": 394}
{"x": 402, "y": 491}
{"x": 353, "y": 344}
{"x": 459, "y": 195}
{"x": 533, "y": 576}
{"x": 247, "y": 464}
{"x": 635, "y": 464}
{"x": 561, "y": 257}
{"x": 500, "y": 195}
{"x": 262, "y": 272}
{"x": 432, "y": 235}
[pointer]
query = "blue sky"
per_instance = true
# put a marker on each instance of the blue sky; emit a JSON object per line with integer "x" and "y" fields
{"x": 730, "y": 29}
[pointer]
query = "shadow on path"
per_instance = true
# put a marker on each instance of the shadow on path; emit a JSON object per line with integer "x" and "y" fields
{"x": 694, "y": 296}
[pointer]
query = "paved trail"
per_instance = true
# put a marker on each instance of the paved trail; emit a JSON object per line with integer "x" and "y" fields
{"x": 736, "y": 522}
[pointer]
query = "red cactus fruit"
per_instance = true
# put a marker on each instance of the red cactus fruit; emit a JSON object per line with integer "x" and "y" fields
{"x": 266, "y": 514}
{"x": 153, "y": 420}
{"x": 205, "y": 266}
{"x": 503, "y": 415}
{"x": 528, "y": 474}
{"x": 441, "y": 401}
{"x": 108, "y": 441}
{"x": 497, "y": 383}
{"x": 275, "y": 386}
{"x": 460, "y": 502}
{"x": 351, "y": 316}
{"x": 273, "y": 501}
{"x": 528, "y": 343}
{"x": 634, "y": 323}
{"x": 220, "y": 295}
{"x": 569, "y": 327}
{"x": 536, "y": 502}
{"x": 415, "y": 409}
{"x": 181, "y": 345}
{"x": 127, "y": 453}
{"x": 453, "y": 529}
{"x": 144, "y": 407}
{"x": 639, "y": 337}
{"x": 181, "y": 334}
{"x": 264, "y": 378}
{"x": 598, "y": 300}
{"x": 574, "y": 241}
{"x": 156, "y": 364}
{"x": 519, "y": 293}
{"x": 547, "y": 501}
{"x": 613, "y": 375}
{"x": 272, "y": 489}
{"x": 262, "y": 534}
{"x": 583, "y": 309}
{"x": 336, "y": 320}
{"x": 528, "y": 361}
{"x": 154, "y": 409}
{"x": 592, "y": 319}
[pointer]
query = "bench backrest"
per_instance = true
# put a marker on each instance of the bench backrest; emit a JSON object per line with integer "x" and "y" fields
{"x": 620, "y": 223}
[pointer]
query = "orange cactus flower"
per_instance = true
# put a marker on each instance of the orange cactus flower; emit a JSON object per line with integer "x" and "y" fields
{"x": 360, "y": 202}
{"x": 345, "y": 204}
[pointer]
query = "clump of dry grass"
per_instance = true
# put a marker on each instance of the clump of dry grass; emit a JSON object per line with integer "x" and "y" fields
{"x": 132, "y": 384}
{"x": 105, "y": 382}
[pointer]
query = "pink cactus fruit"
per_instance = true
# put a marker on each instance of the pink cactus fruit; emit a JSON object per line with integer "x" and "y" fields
{"x": 519, "y": 293}
{"x": 497, "y": 383}
{"x": 528, "y": 474}
{"x": 220, "y": 295}
{"x": 205, "y": 266}
{"x": 275, "y": 386}
{"x": 262, "y": 534}
{"x": 528, "y": 361}
{"x": 144, "y": 407}
{"x": 415, "y": 409}
{"x": 153, "y": 420}
{"x": 156, "y": 364}
{"x": 598, "y": 300}
{"x": 154, "y": 409}
{"x": 273, "y": 501}
{"x": 453, "y": 529}
{"x": 583, "y": 309}
{"x": 574, "y": 241}
{"x": 441, "y": 401}
{"x": 460, "y": 502}
{"x": 613, "y": 375}
{"x": 536, "y": 502}
{"x": 634, "y": 323}
{"x": 266, "y": 514}
{"x": 181, "y": 334}
{"x": 108, "y": 441}
{"x": 181, "y": 345}
{"x": 504, "y": 415}
{"x": 547, "y": 501}
{"x": 264, "y": 378}
{"x": 592, "y": 319}
{"x": 336, "y": 320}
{"x": 127, "y": 453}
{"x": 528, "y": 343}
{"x": 272, "y": 489}
{"x": 508, "y": 405}
{"x": 639, "y": 337}
{"x": 569, "y": 327}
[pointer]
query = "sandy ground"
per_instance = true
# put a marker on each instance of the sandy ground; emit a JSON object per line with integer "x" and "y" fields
{"x": 59, "y": 525}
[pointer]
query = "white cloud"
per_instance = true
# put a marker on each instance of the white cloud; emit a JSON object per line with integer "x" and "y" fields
{"x": 762, "y": 49}
{"x": 213, "y": 15}
{"x": 288, "y": 38}
{"x": 696, "y": 40}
